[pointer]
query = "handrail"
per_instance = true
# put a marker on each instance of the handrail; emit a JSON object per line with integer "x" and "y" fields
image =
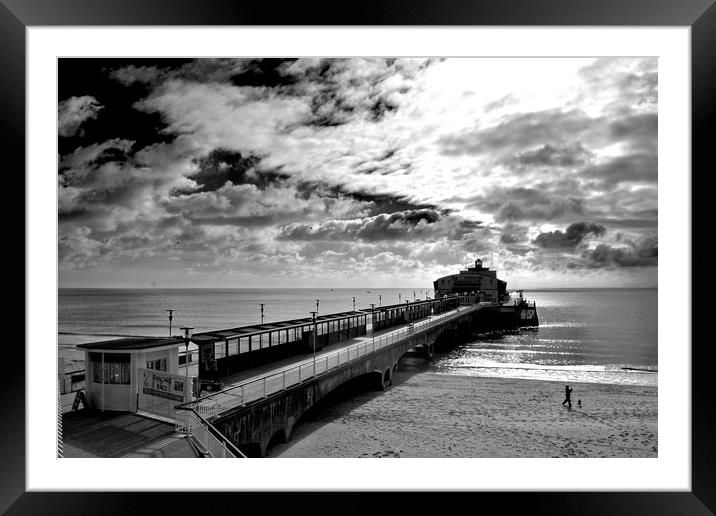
{"x": 237, "y": 395}
{"x": 209, "y": 434}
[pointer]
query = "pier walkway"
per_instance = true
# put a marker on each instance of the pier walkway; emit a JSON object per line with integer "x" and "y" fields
{"x": 247, "y": 386}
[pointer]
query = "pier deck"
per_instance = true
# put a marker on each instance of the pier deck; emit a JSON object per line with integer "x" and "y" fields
{"x": 109, "y": 435}
{"x": 246, "y": 386}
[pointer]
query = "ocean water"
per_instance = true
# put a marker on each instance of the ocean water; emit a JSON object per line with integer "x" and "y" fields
{"x": 591, "y": 335}
{"x": 597, "y": 336}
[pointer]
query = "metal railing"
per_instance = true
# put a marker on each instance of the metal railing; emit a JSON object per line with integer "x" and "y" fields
{"x": 237, "y": 395}
{"x": 213, "y": 442}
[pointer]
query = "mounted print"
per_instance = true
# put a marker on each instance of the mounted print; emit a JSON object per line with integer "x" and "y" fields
{"x": 358, "y": 257}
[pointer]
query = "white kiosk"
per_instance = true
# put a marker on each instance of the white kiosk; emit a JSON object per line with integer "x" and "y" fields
{"x": 135, "y": 374}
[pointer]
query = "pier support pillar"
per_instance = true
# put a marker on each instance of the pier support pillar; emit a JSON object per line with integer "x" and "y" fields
{"x": 428, "y": 351}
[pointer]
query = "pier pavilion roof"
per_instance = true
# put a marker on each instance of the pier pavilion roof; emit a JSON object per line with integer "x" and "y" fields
{"x": 132, "y": 343}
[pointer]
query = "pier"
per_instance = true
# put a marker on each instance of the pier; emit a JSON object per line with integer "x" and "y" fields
{"x": 258, "y": 410}
{"x": 252, "y": 385}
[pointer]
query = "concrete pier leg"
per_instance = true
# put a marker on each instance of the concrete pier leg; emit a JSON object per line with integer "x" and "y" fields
{"x": 428, "y": 351}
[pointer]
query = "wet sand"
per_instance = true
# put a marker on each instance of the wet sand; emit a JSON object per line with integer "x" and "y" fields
{"x": 427, "y": 414}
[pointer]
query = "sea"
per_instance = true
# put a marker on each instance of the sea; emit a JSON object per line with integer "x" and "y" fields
{"x": 604, "y": 336}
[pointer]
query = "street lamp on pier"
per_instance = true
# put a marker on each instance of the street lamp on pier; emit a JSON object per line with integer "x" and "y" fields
{"x": 171, "y": 316}
{"x": 380, "y": 300}
{"x": 315, "y": 330}
{"x": 372, "y": 322}
{"x": 262, "y": 312}
{"x": 187, "y": 335}
{"x": 354, "y": 303}
{"x": 398, "y": 298}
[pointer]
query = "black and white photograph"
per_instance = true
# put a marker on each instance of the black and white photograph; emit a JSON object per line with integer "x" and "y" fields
{"x": 358, "y": 257}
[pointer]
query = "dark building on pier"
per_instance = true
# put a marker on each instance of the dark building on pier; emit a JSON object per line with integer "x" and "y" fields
{"x": 478, "y": 279}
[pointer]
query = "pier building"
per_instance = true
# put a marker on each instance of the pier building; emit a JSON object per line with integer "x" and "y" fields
{"x": 478, "y": 279}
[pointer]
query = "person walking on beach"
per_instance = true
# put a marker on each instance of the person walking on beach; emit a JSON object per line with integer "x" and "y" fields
{"x": 567, "y": 396}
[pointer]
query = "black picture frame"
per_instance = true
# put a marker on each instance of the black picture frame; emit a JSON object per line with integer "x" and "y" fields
{"x": 700, "y": 15}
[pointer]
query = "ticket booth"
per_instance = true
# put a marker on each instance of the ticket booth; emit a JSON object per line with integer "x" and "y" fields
{"x": 120, "y": 372}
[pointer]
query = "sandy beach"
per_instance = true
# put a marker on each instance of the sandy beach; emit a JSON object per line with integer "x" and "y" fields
{"x": 470, "y": 417}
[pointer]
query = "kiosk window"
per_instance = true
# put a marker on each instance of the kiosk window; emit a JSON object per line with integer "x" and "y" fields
{"x": 113, "y": 370}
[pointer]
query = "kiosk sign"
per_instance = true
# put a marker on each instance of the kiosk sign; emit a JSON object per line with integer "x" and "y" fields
{"x": 162, "y": 385}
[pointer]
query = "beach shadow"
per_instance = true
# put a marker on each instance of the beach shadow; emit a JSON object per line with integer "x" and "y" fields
{"x": 346, "y": 398}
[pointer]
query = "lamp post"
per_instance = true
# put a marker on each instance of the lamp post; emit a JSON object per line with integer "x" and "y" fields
{"x": 413, "y": 295}
{"x": 262, "y": 312}
{"x": 354, "y": 303}
{"x": 187, "y": 335}
{"x": 398, "y": 298}
{"x": 317, "y": 301}
{"x": 315, "y": 330}
{"x": 380, "y": 300}
{"x": 171, "y": 316}
{"x": 372, "y": 322}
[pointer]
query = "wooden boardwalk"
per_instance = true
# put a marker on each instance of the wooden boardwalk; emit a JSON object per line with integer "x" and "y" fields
{"x": 108, "y": 434}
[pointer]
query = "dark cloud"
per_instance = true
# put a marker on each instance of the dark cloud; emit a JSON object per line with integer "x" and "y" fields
{"x": 516, "y": 204}
{"x": 221, "y": 166}
{"x": 629, "y": 168}
{"x": 395, "y": 226}
{"x": 513, "y": 234}
{"x": 552, "y": 156}
{"x": 572, "y": 237}
{"x": 523, "y": 210}
{"x": 265, "y": 72}
{"x": 642, "y": 253}
{"x": 374, "y": 203}
{"x": 642, "y": 126}
{"x": 380, "y": 107}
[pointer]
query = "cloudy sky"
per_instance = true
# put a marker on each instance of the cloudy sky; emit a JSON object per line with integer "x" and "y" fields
{"x": 356, "y": 172}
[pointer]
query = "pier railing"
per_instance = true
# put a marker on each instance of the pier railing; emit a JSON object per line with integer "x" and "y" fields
{"x": 206, "y": 435}
{"x": 237, "y": 395}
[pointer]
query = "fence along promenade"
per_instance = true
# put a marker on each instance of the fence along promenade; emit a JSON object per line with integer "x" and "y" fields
{"x": 250, "y": 390}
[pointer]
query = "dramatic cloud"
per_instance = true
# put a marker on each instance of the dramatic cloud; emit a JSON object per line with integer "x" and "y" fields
{"x": 351, "y": 170}
{"x": 551, "y": 156}
{"x": 413, "y": 224}
{"x": 74, "y": 111}
{"x": 573, "y": 236}
{"x": 642, "y": 253}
